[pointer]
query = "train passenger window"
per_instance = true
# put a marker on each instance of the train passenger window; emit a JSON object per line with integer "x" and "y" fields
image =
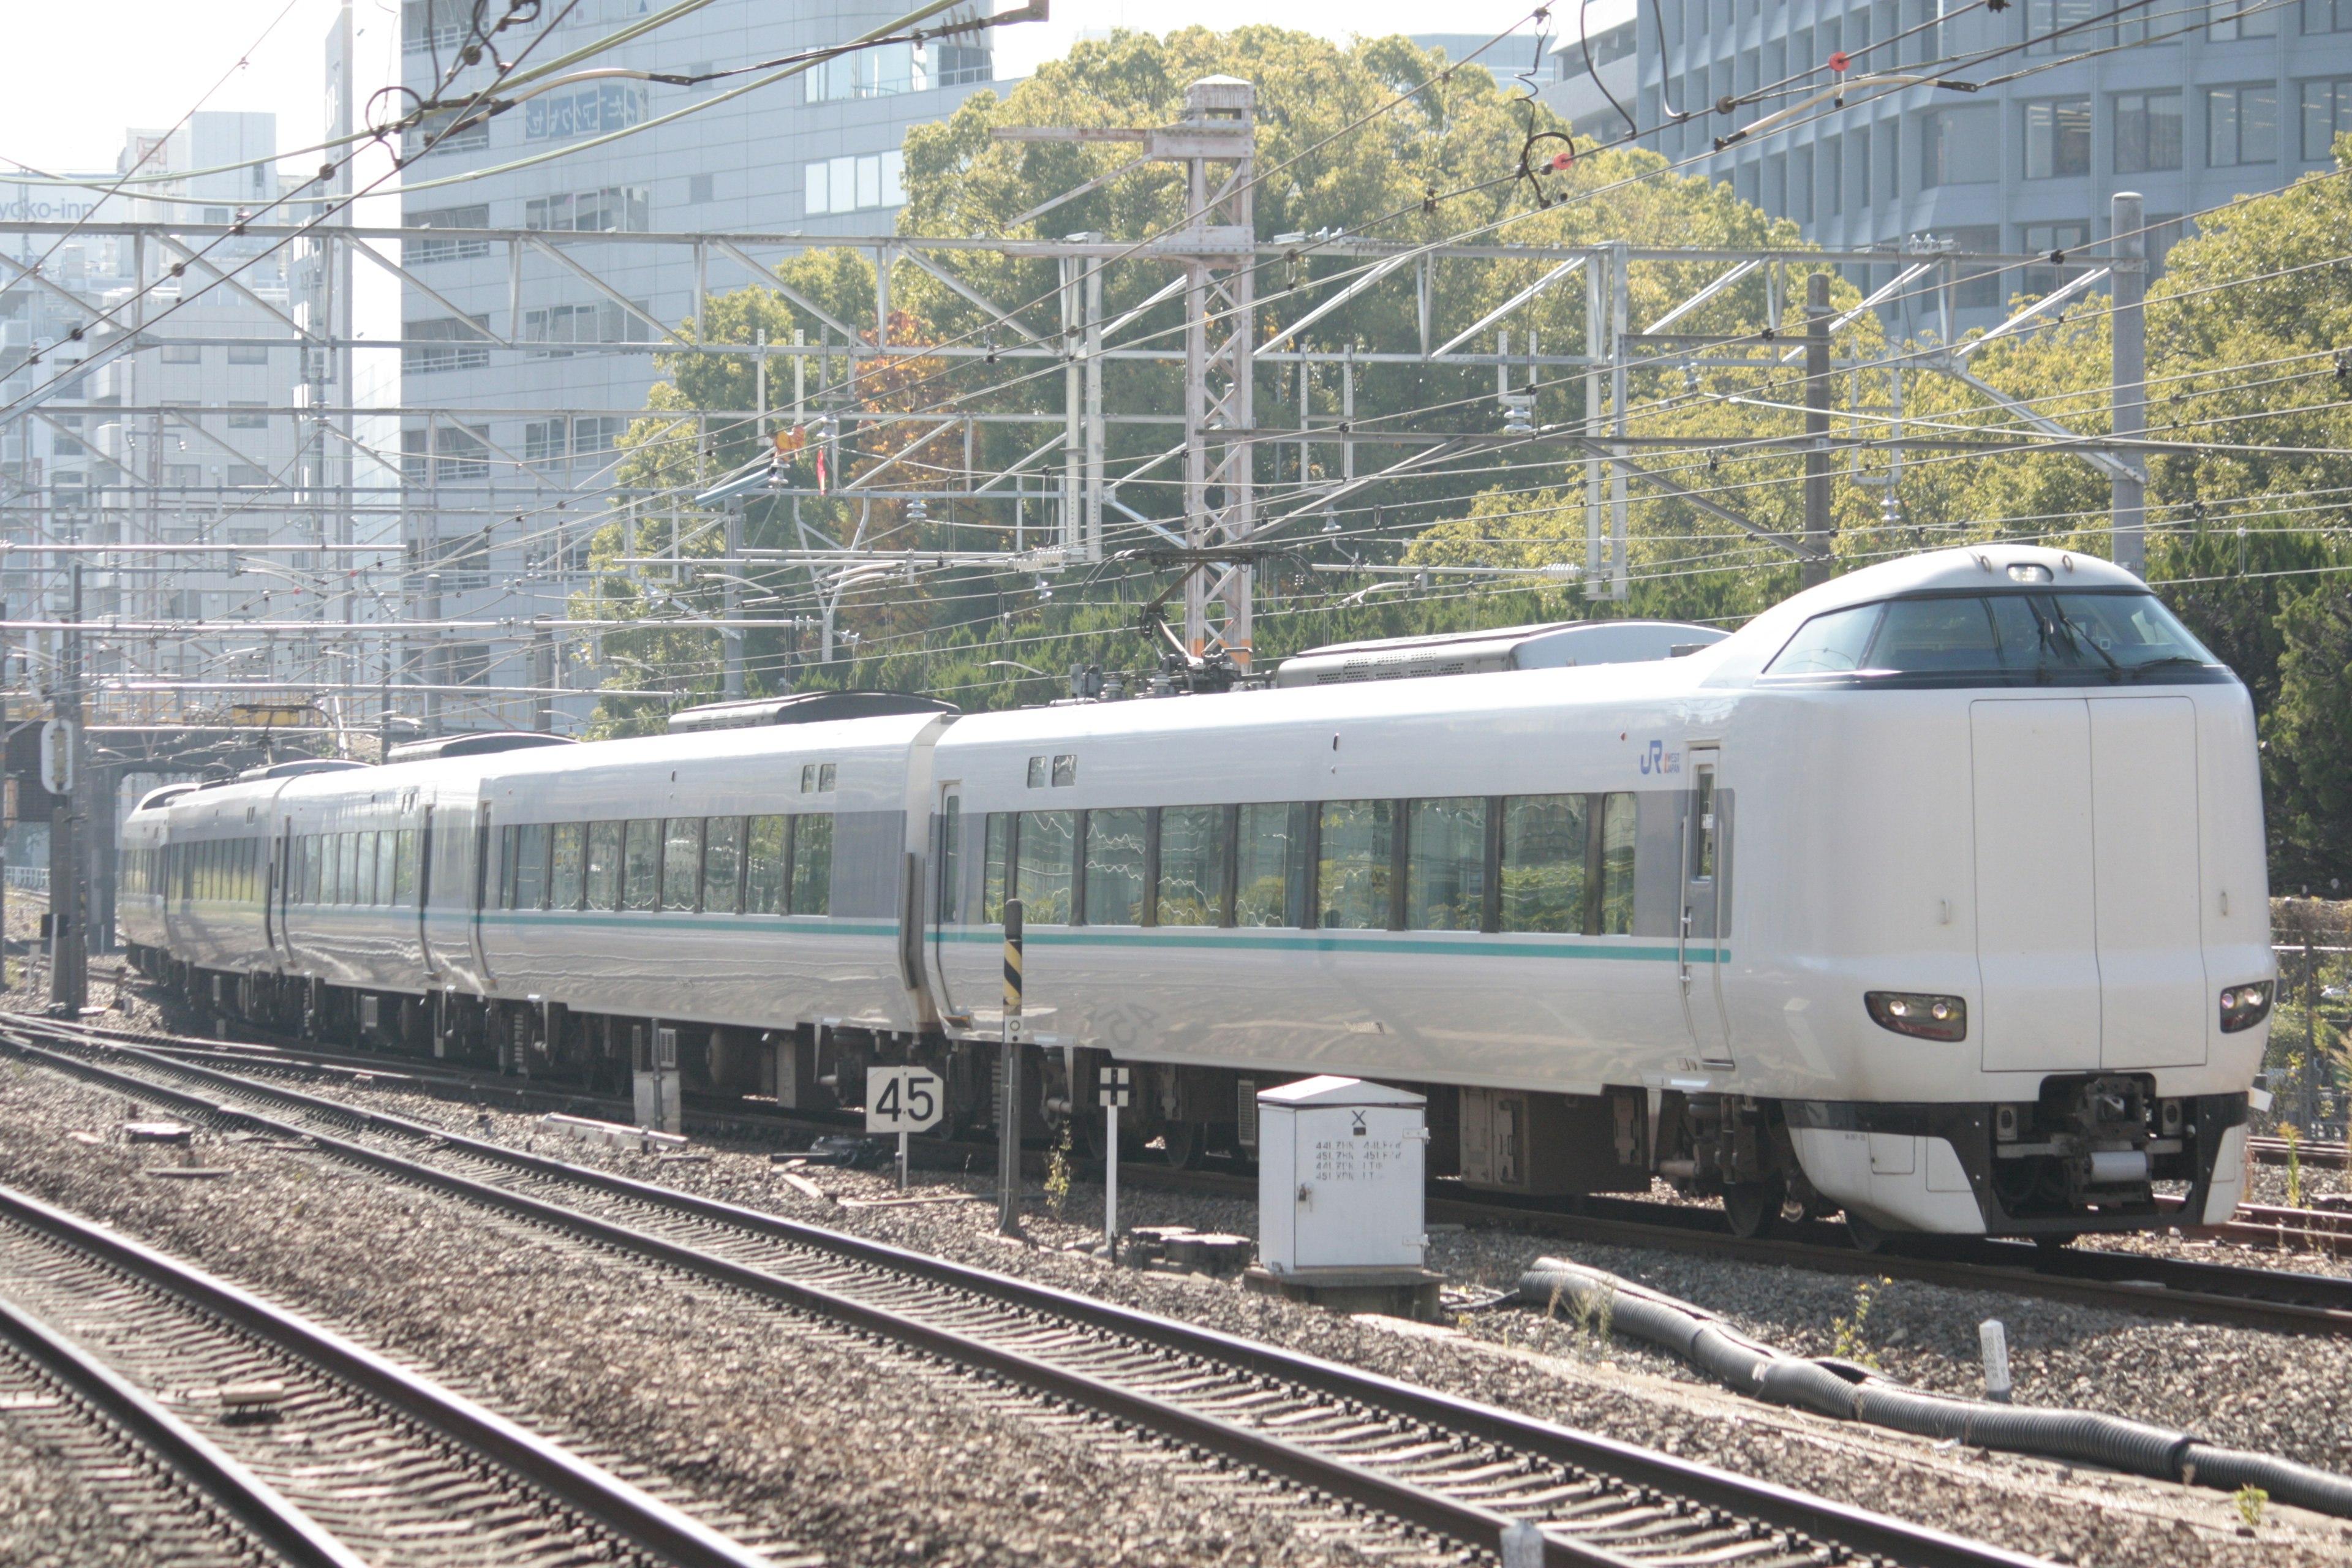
{"x": 313, "y": 866}
{"x": 1117, "y": 842}
{"x": 1191, "y": 866}
{"x": 1617, "y": 839}
{"x": 1702, "y": 828}
{"x": 1043, "y": 867}
{"x": 768, "y": 861}
{"x": 1038, "y": 772}
{"x": 996, "y": 865}
{"x": 403, "y": 870}
{"x": 1065, "y": 770}
{"x": 509, "y": 857}
{"x": 812, "y": 865}
{"x": 1828, "y": 644}
{"x": 369, "y": 861}
{"x": 1357, "y": 840}
{"x": 347, "y": 876}
{"x": 530, "y": 865}
{"x": 641, "y": 865}
{"x": 681, "y": 862}
{"x": 1445, "y": 864}
{"x": 952, "y": 861}
{"x": 808, "y": 778}
{"x": 1543, "y": 863}
{"x": 563, "y": 878}
{"x": 604, "y": 865}
{"x": 722, "y": 866}
{"x": 1269, "y": 863}
{"x": 1936, "y": 634}
{"x": 387, "y": 867}
{"x": 825, "y": 777}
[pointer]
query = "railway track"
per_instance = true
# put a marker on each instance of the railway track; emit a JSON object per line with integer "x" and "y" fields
{"x": 318, "y": 1450}
{"x": 1427, "y": 1467}
{"x": 2276, "y": 1299}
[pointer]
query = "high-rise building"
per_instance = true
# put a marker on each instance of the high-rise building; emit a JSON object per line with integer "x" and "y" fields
{"x": 818, "y": 154}
{"x": 190, "y": 440}
{"x": 2188, "y": 103}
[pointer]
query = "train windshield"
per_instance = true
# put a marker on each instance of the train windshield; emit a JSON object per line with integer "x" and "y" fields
{"x": 1999, "y": 640}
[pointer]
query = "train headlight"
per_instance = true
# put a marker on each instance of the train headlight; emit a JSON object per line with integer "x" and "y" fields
{"x": 1922, "y": 1017}
{"x": 2244, "y": 1007}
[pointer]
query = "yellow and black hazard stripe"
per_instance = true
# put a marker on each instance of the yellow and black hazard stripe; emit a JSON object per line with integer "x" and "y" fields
{"x": 1011, "y": 955}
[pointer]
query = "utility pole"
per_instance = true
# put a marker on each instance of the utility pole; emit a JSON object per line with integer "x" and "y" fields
{"x": 542, "y": 678}
{"x": 1216, "y": 143}
{"x": 68, "y": 970}
{"x": 2128, "y": 264}
{"x": 1817, "y": 426}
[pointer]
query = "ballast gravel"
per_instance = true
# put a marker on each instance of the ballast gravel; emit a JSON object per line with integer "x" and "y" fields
{"x": 845, "y": 1449}
{"x": 660, "y": 1371}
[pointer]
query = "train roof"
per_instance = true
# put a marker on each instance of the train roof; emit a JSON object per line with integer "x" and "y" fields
{"x": 1986, "y": 568}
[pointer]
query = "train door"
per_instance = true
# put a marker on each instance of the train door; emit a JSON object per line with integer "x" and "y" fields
{"x": 281, "y": 850}
{"x": 2153, "y": 988}
{"x": 2037, "y": 910}
{"x": 1706, "y": 908}
{"x": 424, "y": 894}
{"x": 947, "y": 890}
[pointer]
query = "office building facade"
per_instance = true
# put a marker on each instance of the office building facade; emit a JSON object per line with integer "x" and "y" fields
{"x": 816, "y": 155}
{"x": 2188, "y": 104}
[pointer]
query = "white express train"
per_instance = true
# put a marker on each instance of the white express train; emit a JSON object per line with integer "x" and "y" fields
{"x": 1935, "y": 894}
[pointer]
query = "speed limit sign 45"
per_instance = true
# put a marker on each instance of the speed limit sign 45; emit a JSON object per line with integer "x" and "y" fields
{"x": 903, "y": 1100}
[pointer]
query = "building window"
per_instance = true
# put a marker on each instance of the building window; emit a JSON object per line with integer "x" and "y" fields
{"x": 601, "y": 322}
{"x": 248, "y": 416}
{"x": 1833, "y": 174}
{"x": 184, "y": 354}
{"x": 2057, "y": 138}
{"x": 1959, "y": 147}
{"x": 2233, "y": 19}
{"x": 598, "y": 435}
{"x": 183, "y": 476}
{"x": 419, "y": 251}
{"x": 2148, "y": 131}
{"x": 591, "y": 111}
{"x": 2240, "y": 125}
{"x": 960, "y": 64}
{"x": 464, "y": 454}
{"x": 2066, "y": 19}
{"x": 698, "y": 189}
{"x": 2327, "y": 114}
{"x": 543, "y": 440}
{"x": 2049, "y": 239}
{"x": 885, "y": 71}
{"x": 854, "y": 184}
{"x": 246, "y": 476}
{"x": 435, "y": 134}
{"x": 2328, "y": 15}
{"x": 249, "y": 353}
{"x": 626, "y": 209}
{"x": 1800, "y": 183}
{"x": 472, "y": 335}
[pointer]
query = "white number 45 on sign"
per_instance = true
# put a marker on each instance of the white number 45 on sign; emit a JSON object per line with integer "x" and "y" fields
{"x": 903, "y": 1100}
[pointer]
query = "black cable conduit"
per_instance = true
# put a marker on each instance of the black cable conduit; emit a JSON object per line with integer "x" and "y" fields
{"x": 1849, "y": 1393}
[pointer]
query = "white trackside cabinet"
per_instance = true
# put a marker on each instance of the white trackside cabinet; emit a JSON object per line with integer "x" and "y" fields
{"x": 1340, "y": 1165}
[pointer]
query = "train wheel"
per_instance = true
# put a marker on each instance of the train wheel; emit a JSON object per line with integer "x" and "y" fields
{"x": 1184, "y": 1143}
{"x": 1753, "y": 1209}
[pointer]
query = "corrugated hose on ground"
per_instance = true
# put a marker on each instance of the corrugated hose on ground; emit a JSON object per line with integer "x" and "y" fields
{"x": 1849, "y": 1393}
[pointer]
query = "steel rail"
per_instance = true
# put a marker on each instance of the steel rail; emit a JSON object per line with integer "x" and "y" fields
{"x": 1782, "y": 1509}
{"x": 612, "y": 1504}
{"x": 2272, "y": 1299}
{"x": 245, "y": 1497}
